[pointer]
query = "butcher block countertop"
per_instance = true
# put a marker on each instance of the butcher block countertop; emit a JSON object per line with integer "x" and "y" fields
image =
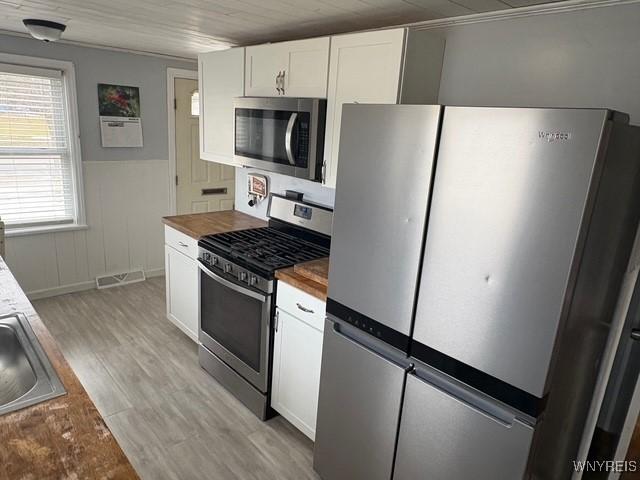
{"x": 310, "y": 277}
{"x": 197, "y": 225}
{"x": 62, "y": 438}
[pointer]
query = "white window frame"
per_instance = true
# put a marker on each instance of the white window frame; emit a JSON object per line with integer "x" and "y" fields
{"x": 71, "y": 101}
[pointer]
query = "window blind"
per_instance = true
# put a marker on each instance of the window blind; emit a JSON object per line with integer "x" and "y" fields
{"x": 36, "y": 168}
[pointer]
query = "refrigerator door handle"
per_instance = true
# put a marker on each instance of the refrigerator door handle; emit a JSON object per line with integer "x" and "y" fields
{"x": 361, "y": 339}
{"x": 469, "y": 397}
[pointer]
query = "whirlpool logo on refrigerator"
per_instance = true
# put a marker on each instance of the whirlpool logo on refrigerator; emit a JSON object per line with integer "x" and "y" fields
{"x": 554, "y": 136}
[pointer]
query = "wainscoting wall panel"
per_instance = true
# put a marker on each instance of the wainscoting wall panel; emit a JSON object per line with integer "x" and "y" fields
{"x": 124, "y": 202}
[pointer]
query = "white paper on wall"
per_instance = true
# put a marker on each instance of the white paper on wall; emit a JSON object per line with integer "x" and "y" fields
{"x": 121, "y": 131}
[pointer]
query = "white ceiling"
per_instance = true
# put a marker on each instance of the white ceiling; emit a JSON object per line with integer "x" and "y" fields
{"x": 187, "y": 27}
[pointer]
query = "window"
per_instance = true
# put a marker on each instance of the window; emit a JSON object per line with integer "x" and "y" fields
{"x": 195, "y": 104}
{"x": 39, "y": 158}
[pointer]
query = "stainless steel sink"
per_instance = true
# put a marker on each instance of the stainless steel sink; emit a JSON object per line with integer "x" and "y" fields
{"x": 26, "y": 375}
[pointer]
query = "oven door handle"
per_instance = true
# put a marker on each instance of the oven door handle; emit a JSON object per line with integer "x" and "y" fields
{"x": 287, "y": 138}
{"x": 231, "y": 285}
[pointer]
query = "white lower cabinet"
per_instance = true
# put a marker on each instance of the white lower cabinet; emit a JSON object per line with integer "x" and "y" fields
{"x": 181, "y": 275}
{"x": 297, "y": 355}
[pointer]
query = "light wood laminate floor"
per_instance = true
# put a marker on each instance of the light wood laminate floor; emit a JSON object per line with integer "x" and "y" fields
{"x": 172, "y": 419}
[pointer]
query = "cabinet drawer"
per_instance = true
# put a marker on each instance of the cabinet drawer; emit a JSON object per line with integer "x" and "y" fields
{"x": 181, "y": 242}
{"x": 301, "y": 305}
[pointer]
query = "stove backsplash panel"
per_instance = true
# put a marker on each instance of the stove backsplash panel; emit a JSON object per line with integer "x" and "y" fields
{"x": 313, "y": 192}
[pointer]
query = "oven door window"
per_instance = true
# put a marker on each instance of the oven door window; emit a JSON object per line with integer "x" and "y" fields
{"x": 262, "y": 134}
{"x": 233, "y": 319}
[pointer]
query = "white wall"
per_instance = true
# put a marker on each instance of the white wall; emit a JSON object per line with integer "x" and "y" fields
{"x": 588, "y": 58}
{"x": 125, "y": 201}
{"x": 313, "y": 191}
{"x": 126, "y": 189}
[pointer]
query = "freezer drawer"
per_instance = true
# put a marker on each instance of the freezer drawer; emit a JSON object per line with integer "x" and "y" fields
{"x": 450, "y": 432}
{"x": 510, "y": 191}
{"x": 384, "y": 177}
{"x": 358, "y": 410}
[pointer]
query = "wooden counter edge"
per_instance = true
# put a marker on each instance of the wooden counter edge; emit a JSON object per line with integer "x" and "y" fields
{"x": 197, "y": 225}
{"x": 291, "y": 277}
{"x": 65, "y": 437}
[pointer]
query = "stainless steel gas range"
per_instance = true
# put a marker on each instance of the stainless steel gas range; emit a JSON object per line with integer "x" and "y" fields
{"x": 237, "y": 289}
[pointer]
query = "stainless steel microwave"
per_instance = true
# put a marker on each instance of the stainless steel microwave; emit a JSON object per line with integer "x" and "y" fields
{"x": 281, "y": 135}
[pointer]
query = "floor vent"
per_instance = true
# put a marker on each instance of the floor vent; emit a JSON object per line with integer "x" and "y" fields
{"x": 108, "y": 281}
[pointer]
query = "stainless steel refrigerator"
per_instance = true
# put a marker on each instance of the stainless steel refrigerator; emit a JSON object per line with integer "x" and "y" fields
{"x": 476, "y": 258}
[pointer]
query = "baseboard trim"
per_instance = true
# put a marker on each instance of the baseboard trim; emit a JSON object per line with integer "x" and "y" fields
{"x": 79, "y": 287}
{"x": 192, "y": 335}
{"x": 156, "y": 272}
{"x": 61, "y": 290}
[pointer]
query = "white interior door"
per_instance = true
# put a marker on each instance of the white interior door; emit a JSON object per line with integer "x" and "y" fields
{"x": 201, "y": 186}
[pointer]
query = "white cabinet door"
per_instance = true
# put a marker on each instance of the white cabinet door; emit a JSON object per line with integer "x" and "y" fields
{"x": 221, "y": 79}
{"x": 263, "y": 63}
{"x": 181, "y": 276}
{"x": 297, "y": 354}
{"x": 306, "y": 67}
{"x": 303, "y": 63}
{"x": 363, "y": 68}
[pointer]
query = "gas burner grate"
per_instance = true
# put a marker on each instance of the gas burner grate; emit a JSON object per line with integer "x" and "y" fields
{"x": 267, "y": 248}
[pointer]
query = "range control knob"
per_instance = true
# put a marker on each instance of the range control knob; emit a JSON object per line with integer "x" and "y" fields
{"x": 214, "y": 260}
{"x": 253, "y": 281}
{"x": 242, "y": 276}
{"x": 227, "y": 268}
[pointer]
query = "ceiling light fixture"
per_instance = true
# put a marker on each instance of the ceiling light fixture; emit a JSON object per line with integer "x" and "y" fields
{"x": 44, "y": 29}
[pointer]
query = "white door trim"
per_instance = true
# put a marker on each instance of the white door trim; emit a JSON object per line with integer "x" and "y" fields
{"x": 172, "y": 74}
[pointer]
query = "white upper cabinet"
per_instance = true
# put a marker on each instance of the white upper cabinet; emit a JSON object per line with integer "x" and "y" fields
{"x": 387, "y": 66}
{"x": 263, "y": 66}
{"x": 364, "y": 68}
{"x": 307, "y": 68}
{"x": 221, "y": 79}
{"x": 290, "y": 69}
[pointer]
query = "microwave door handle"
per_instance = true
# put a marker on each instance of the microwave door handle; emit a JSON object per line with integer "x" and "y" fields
{"x": 287, "y": 138}
{"x": 231, "y": 285}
